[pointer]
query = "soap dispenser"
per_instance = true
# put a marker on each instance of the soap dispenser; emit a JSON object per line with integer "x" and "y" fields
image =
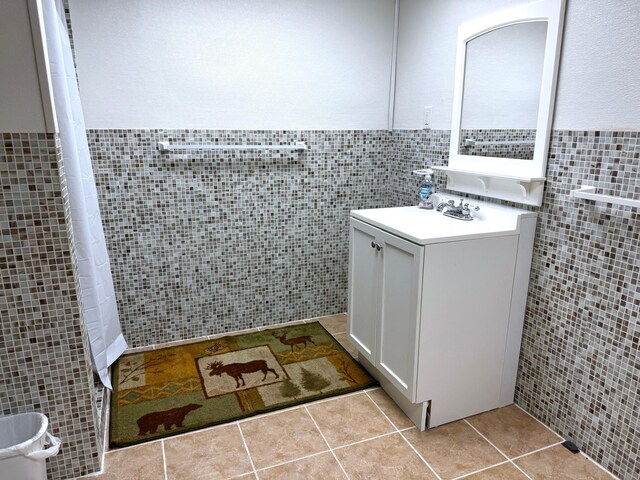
{"x": 426, "y": 189}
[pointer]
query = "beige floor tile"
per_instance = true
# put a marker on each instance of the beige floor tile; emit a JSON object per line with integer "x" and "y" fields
{"x": 390, "y": 409}
{"x": 143, "y": 462}
{"x": 215, "y": 453}
{"x": 453, "y": 449}
{"x": 343, "y": 340}
{"x": 281, "y": 437}
{"x": 558, "y": 463}
{"x": 320, "y": 467}
{"x": 387, "y": 457}
{"x": 334, "y": 324}
{"x": 501, "y": 472}
{"x": 349, "y": 419}
{"x": 513, "y": 431}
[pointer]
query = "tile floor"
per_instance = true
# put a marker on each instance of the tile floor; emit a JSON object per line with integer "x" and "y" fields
{"x": 362, "y": 435}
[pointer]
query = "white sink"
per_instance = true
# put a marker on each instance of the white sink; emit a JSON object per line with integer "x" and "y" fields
{"x": 430, "y": 226}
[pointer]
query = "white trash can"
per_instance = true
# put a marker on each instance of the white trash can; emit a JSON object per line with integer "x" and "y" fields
{"x": 23, "y": 454}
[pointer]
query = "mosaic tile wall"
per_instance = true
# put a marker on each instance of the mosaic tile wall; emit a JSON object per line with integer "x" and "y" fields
{"x": 580, "y": 361}
{"x": 214, "y": 241}
{"x": 489, "y": 143}
{"x": 413, "y": 150}
{"x": 44, "y": 361}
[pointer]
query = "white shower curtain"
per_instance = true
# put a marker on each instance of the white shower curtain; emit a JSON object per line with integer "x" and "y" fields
{"x": 96, "y": 285}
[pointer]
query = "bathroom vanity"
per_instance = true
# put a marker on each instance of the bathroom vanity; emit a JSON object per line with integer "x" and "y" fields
{"x": 436, "y": 305}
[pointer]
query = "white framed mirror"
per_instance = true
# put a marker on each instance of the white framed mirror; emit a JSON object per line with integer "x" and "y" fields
{"x": 505, "y": 81}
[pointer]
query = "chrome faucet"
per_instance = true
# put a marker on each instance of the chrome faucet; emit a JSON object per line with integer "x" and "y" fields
{"x": 448, "y": 205}
{"x": 459, "y": 212}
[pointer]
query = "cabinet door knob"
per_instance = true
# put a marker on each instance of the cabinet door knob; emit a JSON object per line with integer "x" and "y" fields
{"x": 373, "y": 244}
{"x": 378, "y": 247}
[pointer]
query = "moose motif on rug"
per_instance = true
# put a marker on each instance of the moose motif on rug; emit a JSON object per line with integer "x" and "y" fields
{"x": 150, "y": 422}
{"x": 235, "y": 370}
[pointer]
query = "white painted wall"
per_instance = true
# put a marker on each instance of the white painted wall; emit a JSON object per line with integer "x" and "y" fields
{"x": 599, "y": 81}
{"x": 20, "y": 103}
{"x": 234, "y": 64}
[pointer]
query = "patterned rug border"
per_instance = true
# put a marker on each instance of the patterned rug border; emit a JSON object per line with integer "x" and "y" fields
{"x": 291, "y": 404}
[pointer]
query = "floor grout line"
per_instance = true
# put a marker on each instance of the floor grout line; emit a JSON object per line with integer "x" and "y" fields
{"x": 246, "y": 447}
{"x": 164, "y": 460}
{"x": 315, "y": 402}
{"x": 505, "y": 462}
{"x": 325, "y": 441}
{"x": 598, "y": 465}
{"x": 501, "y": 452}
{"x": 559, "y": 443}
{"x": 405, "y": 438}
{"x": 293, "y": 460}
{"x": 148, "y": 442}
{"x": 539, "y": 421}
{"x": 347, "y": 445}
{"x": 536, "y": 451}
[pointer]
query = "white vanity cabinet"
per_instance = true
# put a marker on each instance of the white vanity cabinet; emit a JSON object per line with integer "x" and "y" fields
{"x": 386, "y": 277}
{"x": 436, "y": 306}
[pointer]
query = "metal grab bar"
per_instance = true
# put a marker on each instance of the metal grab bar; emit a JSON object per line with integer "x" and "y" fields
{"x": 470, "y": 142}
{"x": 168, "y": 147}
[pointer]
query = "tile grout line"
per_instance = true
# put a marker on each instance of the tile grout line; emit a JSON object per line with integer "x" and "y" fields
{"x": 501, "y": 452}
{"x": 329, "y": 450}
{"x": 581, "y": 453}
{"x": 504, "y": 462}
{"x": 316, "y": 402}
{"x": 164, "y": 460}
{"x": 559, "y": 443}
{"x": 262, "y": 469}
{"x": 325, "y": 441}
{"x": 536, "y": 451}
{"x": 246, "y": 447}
{"x": 539, "y": 421}
{"x": 149, "y": 442}
{"x": 403, "y": 437}
{"x": 598, "y": 465}
{"x": 365, "y": 440}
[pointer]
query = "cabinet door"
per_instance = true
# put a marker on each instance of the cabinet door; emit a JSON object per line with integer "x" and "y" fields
{"x": 363, "y": 289}
{"x": 400, "y": 297}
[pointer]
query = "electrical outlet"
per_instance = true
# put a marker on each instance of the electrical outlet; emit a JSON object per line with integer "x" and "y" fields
{"x": 426, "y": 119}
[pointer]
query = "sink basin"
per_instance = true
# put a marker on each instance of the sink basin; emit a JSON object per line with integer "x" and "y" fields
{"x": 430, "y": 226}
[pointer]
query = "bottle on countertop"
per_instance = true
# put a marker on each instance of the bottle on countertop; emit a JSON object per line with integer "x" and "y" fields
{"x": 427, "y": 189}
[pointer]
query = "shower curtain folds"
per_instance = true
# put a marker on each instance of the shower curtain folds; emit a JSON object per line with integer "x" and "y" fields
{"x": 100, "y": 312}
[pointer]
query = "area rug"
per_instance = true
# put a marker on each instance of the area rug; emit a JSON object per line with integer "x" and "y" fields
{"x": 172, "y": 390}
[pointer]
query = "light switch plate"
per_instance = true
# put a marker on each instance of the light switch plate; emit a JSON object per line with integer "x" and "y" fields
{"x": 426, "y": 119}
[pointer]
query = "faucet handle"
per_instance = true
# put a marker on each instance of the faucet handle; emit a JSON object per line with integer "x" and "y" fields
{"x": 466, "y": 208}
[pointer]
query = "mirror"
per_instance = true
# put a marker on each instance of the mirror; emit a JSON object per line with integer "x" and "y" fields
{"x": 505, "y": 80}
{"x": 502, "y": 79}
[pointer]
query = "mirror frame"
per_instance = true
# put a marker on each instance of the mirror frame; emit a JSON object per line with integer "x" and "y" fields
{"x": 551, "y": 11}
